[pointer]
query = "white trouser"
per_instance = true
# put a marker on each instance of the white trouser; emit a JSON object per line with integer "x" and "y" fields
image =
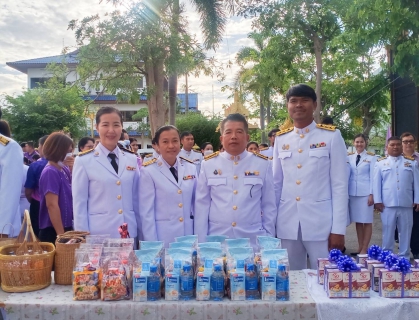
{"x": 403, "y": 218}
{"x": 298, "y": 249}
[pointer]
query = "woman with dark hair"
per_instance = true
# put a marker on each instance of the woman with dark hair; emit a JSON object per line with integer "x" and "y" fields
{"x": 105, "y": 182}
{"x": 86, "y": 143}
{"x": 252, "y": 146}
{"x": 361, "y": 201}
{"x": 56, "y": 209}
{"x": 207, "y": 148}
{"x": 167, "y": 187}
{"x": 5, "y": 128}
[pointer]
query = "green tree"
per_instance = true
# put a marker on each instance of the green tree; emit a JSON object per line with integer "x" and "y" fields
{"x": 53, "y": 106}
{"x": 202, "y": 128}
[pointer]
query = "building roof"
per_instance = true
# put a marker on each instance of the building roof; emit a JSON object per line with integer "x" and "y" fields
{"x": 24, "y": 65}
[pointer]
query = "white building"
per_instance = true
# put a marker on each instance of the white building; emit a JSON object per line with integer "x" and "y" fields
{"x": 37, "y": 73}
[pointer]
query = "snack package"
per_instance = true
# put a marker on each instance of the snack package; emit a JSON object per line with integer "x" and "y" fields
{"x": 215, "y": 238}
{"x": 116, "y": 277}
{"x": 175, "y": 260}
{"x": 266, "y": 243}
{"x": 155, "y": 245}
{"x": 237, "y": 243}
{"x": 97, "y": 238}
{"x": 237, "y": 259}
{"x": 145, "y": 259}
{"x": 270, "y": 260}
{"x": 119, "y": 242}
{"x": 208, "y": 258}
{"x": 193, "y": 241}
{"x": 209, "y": 245}
{"x": 87, "y": 274}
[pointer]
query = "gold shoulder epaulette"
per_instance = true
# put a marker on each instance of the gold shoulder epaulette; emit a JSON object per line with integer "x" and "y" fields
{"x": 4, "y": 141}
{"x": 263, "y": 149}
{"x": 196, "y": 150}
{"x": 186, "y": 159}
{"x": 326, "y": 127}
{"x": 147, "y": 163}
{"x": 85, "y": 152}
{"x": 261, "y": 156}
{"x": 212, "y": 155}
{"x": 350, "y": 153}
{"x": 370, "y": 153}
{"x": 383, "y": 158}
{"x": 408, "y": 158}
{"x": 148, "y": 155}
{"x": 126, "y": 150}
{"x": 281, "y": 132}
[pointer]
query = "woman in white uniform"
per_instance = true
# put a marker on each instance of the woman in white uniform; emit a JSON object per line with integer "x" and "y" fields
{"x": 361, "y": 201}
{"x": 167, "y": 187}
{"x": 105, "y": 182}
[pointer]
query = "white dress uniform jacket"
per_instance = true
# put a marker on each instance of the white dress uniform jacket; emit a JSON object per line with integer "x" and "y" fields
{"x": 167, "y": 206}
{"x": 235, "y": 197}
{"x": 396, "y": 182}
{"x": 11, "y": 172}
{"x": 311, "y": 182}
{"x": 361, "y": 177}
{"x": 103, "y": 199}
{"x": 193, "y": 155}
{"x": 268, "y": 152}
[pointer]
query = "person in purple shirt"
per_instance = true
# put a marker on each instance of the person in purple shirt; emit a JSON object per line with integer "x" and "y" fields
{"x": 56, "y": 205}
{"x": 32, "y": 186}
{"x": 30, "y": 152}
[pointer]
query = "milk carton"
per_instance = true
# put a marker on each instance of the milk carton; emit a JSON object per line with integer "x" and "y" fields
{"x": 321, "y": 263}
{"x": 362, "y": 284}
{"x": 414, "y": 283}
{"x": 375, "y": 274}
{"x": 394, "y": 284}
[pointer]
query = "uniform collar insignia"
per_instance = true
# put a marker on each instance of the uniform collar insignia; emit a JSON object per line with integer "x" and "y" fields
{"x": 251, "y": 173}
{"x": 317, "y": 145}
{"x": 407, "y": 164}
{"x": 189, "y": 177}
{"x": 129, "y": 168}
{"x": 285, "y": 147}
{"x": 217, "y": 172}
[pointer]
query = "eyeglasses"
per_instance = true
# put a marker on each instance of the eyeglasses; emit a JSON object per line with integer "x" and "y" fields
{"x": 408, "y": 141}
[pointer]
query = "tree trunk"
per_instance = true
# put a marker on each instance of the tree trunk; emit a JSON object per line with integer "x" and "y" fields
{"x": 151, "y": 100}
{"x": 174, "y": 52}
{"x": 186, "y": 94}
{"x": 172, "y": 98}
{"x": 155, "y": 98}
{"x": 318, "y": 48}
{"x": 262, "y": 117}
{"x": 367, "y": 121}
{"x": 159, "y": 80}
{"x": 268, "y": 106}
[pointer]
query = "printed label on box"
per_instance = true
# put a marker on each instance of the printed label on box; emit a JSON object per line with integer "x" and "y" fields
{"x": 172, "y": 287}
{"x": 238, "y": 292}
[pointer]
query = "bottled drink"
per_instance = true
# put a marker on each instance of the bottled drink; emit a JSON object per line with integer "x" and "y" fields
{"x": 282, "y": 283}
{"x": 251, "y": 283}
{"x": 186, "y": 283}
{"x": 153, "y": 285}
{"x": 217, "y": 284}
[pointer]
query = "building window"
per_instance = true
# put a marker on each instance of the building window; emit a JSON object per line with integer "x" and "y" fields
{"x": 36, "y": 82}
{"x": 140, "y": 84}
{"x": 127, "y": 115}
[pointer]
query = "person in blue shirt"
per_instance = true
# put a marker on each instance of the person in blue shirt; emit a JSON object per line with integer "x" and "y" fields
{"x": 32, "y": 186}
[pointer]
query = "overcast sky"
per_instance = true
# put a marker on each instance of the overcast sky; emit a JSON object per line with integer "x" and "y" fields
{"x": 34, "y": 29}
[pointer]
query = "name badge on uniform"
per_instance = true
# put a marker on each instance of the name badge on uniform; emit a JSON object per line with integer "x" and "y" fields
{"x": 250, "y": 173}
{"x": 408, "y": 164}
{"x": 367, "y": 161}
{"x": 217, "y": 172}
{"x": 188, "y": 177}
{"x": 131, "y": 168}
{"x": 317, "y": 145}
{"x": 285, "y": 147}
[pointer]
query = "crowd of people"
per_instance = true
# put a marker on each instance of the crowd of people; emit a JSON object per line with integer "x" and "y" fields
{"x": 303, "y": 188}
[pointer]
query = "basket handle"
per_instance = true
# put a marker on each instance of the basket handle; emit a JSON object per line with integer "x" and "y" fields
{"x": 13, "y": 230}
{"x": 29, "y": 229}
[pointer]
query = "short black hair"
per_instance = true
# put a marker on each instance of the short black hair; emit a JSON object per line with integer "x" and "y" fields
{"x": 204, "y": 145}
{"x": 163, "y": 129}
{"x": 361, "y": 135}
{"x": 83, "y": 141}
{"x": 30, "y": 144}
{"x": 42, "y": 140}
{"x": 250, "y": 143}
{"x": 327, "y": 120}
{"x": 153, "y": 141}
{"x": 131, "y": 140}
{"x": 23, "y": 144}
{"x": 5, "y": 128}
{"x": 185, "y": 134}
{"x": 107, "y": 110}
{"x": 235, "y": 117}
{"x": 272, "y": 132}
{"x": 407, "y": 134}
{"x": 394, "y": 138}
{"x": 301, "y": 90}
{"x": 263, "y": 145}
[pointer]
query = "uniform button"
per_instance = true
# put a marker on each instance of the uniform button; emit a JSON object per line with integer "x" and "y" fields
{"x": 119, "y": 197}
{"x": 120, "y": 211}
{"x": 298, "y": 198}
{"x": 180, "y": 205}
{"x": 234, "y": 207}
{"x": 118, "y": 183}
{"x": 300, "y": 150}
{"x": 181, "y": 219}
{"x": 299, "y": 166}
{"x": 233, "y": 224}
{"x": 236, "y": 163}
{"x": 235, "y": 177}
{"x": 179, "y": 191}
{"x": 298, "y": 182}
{"x": 235, "y": 192}
{"x": 301, "y": 136}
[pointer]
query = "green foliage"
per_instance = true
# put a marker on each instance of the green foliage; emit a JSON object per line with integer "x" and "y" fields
{"x": 202, "y": 128}
{"x": 52, "y": 107}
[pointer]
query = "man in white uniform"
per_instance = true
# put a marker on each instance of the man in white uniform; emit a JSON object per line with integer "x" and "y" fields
{"x": 268, "y": 152}
{"x": 311, "y": 183}
{"x": 395, "y": 190}
{"x": 11, "y": 172}
{"x": 187, "y": 151}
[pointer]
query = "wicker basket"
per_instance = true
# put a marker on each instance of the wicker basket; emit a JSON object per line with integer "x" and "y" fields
{"x": 24, "y": 271}
{"x": 64, "y": 257}
{"x": 6, "y": 241}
